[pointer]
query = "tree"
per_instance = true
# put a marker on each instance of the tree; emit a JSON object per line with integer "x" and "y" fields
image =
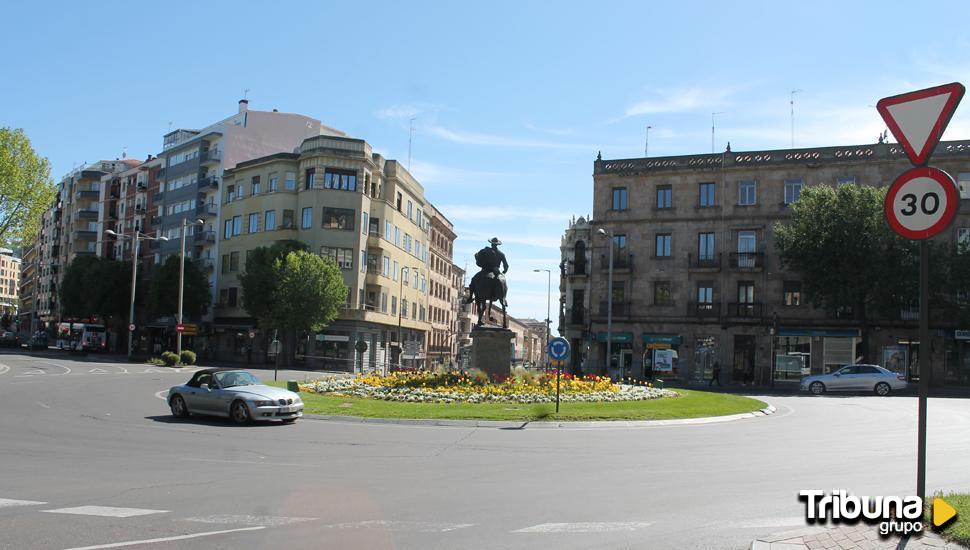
{"x": 163, "y": 290}
{"x": 260, "y": 277}
{"x": 75, "y": 286}
{"x": 26, "y": 189}
{"x": 97, "y": 287}
{"x": 847, "y": 256}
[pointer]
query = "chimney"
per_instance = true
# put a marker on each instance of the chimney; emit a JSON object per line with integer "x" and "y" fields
{"x": 243, "y": 105}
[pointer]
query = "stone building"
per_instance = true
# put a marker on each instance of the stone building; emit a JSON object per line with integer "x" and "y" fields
{"x": 697, "y": 278}
{"x": 444, "y": 290}
{"x": 574, "y": 273}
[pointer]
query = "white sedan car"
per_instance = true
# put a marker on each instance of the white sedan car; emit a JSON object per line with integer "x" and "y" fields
{"x": 855, "y": 378}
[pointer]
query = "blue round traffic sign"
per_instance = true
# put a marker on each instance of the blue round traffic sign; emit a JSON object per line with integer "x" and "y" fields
{"x": 558, "y": 349}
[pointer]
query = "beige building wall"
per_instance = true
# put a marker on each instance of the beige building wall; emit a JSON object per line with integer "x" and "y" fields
{"x": 9, "y": 281}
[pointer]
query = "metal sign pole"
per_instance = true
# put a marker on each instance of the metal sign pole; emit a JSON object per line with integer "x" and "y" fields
{"x": 924, "y": 366}
{"x": 558, "y": 368}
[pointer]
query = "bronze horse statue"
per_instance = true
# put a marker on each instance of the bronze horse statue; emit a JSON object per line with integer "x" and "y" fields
{"x": 488, "y": 285}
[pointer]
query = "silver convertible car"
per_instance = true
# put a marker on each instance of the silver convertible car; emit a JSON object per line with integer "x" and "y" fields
{"x": 236, "y": 394}
{"x": 855, "y": 378}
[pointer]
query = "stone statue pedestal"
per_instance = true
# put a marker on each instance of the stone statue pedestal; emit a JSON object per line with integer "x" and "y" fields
{"x": 492, "y": 350}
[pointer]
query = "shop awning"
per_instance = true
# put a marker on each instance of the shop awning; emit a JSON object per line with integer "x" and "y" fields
{"x": 621, "y": 337}
{"x": 820, "y": 332}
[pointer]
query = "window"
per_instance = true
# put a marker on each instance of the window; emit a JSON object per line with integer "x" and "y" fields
{"x": 290, "y": 182}
{"x": 230, "y": 193}
{"x": 254, "y": 222}
{"x": 705, "y": 295}
{"x": 288, "y": 219}
{"x": 706, "y": 192}
{"x": 793, "y": 190}
{"x": 383, "y": 302}
{"x": 363, "y": 261}
{"x": 792, "y": 291}
{"x": 416, "y": 282}
{"x": 387, "y": 230}
{"x": 397, "y": 236}
{"x": 662, "y": 295}
{"x": 844, "y": 180}
{"x": 240, "y": 190}
{"x": 410, "y": 210}
{"x": 310, "y": 180}
{"x": 343, "y": 257}
{"x": 705, "y": 247}
{"x": 338, "y": 218}
{"x": 747, "y": 192}
{"x": 274, "y": 181}
{"x": 225, "y": 263}
{"x": 228, "y": 231}
{"x": 397, "y": 270}
{"x": 364, "y": 223}
{"x": 344, "y": 180}
{"x": 232, "y": 296}
{"x": 663, "y": 245}
{"x": 418, "y": 219}
{"x": 393, "y": 305}
{"x": 269, "y": 220}
{"x": 307, "y": 218}
{"x": 255, "y": 183}
{"x": 619, "y": 198}
{"x": 387, "y": 266}
{"x": 237, "y": 225}
{"x": 407, "y": 243}
{"x": 234, "y": 261}
{"x": 404, "y": 308}
{"x": 619, "y": 243}
{"x": 664, "y": 196}
{"x": 414, "y": 309}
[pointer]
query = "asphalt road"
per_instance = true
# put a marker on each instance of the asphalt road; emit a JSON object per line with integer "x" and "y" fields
{"x": 89, "y": 457}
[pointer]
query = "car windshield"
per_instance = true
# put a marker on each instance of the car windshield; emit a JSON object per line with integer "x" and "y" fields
{"x": 235, "y": 378}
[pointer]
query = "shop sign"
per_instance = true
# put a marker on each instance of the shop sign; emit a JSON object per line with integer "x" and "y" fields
{"x": 663, "y": 360}
{"x": 961, "y": 334}
{"x": 668, "y": 339}
{"x": 621, "y": 337}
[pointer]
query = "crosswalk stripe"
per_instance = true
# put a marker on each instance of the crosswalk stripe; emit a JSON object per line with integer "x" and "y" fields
{"x": 391, "y": 525}
{"x": 106, "y": 511}
{"x": 8, "y": 502}
{"x": 585, "y": 527}
{"x": 269, "y": 521}
{"x": 165, "y": 539}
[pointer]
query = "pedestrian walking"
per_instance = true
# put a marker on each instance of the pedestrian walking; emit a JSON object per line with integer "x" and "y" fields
{"x": 715, "y": 375}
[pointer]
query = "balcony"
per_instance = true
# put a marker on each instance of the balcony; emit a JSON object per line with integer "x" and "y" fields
{"x": 204, "y": 237}
{"x": 87, "y": 214}
{"x": 141, "y": 186}
{"x": 154, "y": 244}
{"x": 703, "y": 309}
{"x": 207, "y": 265}
{"x": 704, "y": 263}
{"x": 581, "y": 269}
{"x": 209, "y": 182}
{"x": 157, "y": 197}
{"x": 745, "y": 309}
{"x": 88, "y": 194}
{"x": 155, "y": 220}
{"x": 620, "y": 261}
{"x": 207, "y": 208}
{"x": 909, "y": 314}
{"x": 85, "y": 234}
{"x": 576, "y": 316}
{"x": 212, "y": 156}
{"x": 620, "y": 309}
{"x": 747, "y": 261}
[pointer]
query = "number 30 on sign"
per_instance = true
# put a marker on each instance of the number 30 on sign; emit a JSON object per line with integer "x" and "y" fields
{"x": 921, "y": 203}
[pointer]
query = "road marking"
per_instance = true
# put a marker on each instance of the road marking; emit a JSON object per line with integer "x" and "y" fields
{"x": 97, "y": 371}
{"x": 165, "y": 539}
{"x": 146, "y": 371}
{"x": 163, "y": 395}
{"x": 223, "y": 461}
{"x": 269, "y": 521}
{"x": 585, "y": 527}
{"x": 46, "y": 406}
{"x": 7, "y": 502}
{"x": 106, "y": 511}
{"x": 416, "y": 526}
{"x": 4, "y": 369}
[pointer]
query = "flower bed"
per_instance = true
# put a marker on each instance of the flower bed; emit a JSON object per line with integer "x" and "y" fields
{"x": 524, "y": 387}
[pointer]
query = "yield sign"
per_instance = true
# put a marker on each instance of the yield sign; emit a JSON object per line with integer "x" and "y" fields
{"x": 918, "y": 119}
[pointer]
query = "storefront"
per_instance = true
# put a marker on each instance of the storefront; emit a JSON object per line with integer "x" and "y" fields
{"x": 705, "y": 356}
{"x": 621, "y": 351}
{"x": 957, "y": 358}
{"x": 660, "y": 356}
{"x": 800, "y": 352}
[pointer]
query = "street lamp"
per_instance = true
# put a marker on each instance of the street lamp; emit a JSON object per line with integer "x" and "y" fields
{"x": 137, "y": 236}
{"x": 185, "y": 224}
{"x": 548, "y": 293}
{"x": 609, "y": 305}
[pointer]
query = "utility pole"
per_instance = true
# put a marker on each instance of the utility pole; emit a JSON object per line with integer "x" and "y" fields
{"x": 410, "y": 139}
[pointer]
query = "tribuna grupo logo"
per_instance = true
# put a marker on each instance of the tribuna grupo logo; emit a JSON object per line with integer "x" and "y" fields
{"x": 893, "y": 514}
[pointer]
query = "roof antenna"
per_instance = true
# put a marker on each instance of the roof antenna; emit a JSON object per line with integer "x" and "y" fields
{"x": 124, "y": 152}
{"x": 246, "y": 93}
{"x": 410, "y": 138}
{"x": 792, "y": 102}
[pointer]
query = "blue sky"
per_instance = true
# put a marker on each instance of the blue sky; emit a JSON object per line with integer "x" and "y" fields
{"x": 512, "y": 100}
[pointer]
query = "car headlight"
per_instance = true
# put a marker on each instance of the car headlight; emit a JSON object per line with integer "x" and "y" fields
{"x": 265, "y": 403}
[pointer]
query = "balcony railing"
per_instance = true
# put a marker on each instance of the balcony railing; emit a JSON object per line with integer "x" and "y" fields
{"x": 581, "y": 269}
{"x": 576, "y": 315}
{"x": 909, "y": 314}
{"x": 620, "y": 261}
{"x": 696, "y": 261}
{"x": 747, "y": 260}
{"x": 745, "y": 309}
{"x": 620, "y": 309}
{"x": 205, "y": 264}
{"x": 204, "y": 237}
{"x": 85, "y": 213}
{"x": 157, "y": 197}
{"x": 703, "y": 309}
{"x": 87, "y": 194}
{"x": 211, "y": 156}
{"x": 85, "y": 234}
{"x": 206, "y": 208}
{"x": 209, "y": 181}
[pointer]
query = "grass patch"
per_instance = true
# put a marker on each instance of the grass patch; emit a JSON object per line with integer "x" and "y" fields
{"x": 958, "y": 530}
{"x": 690, "y": 404}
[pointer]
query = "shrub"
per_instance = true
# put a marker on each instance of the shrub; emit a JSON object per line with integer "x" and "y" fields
{"x": 170, "y": 357}
{"x": 155, "y": 361}
{"x": 187, "y": 357}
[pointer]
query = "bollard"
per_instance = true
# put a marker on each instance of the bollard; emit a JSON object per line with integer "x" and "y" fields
{"x": 293, "y": 386}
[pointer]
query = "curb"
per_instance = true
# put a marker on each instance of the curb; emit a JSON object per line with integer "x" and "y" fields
{"x": 541, "y": 424}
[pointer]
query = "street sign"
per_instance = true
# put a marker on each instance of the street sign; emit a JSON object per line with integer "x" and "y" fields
{"x": 921, "y": 202}
{"x": 131, "y": 327}
{"x": 252, "y": 334}
{"x": 180, "y": 328}
{"x": 918, "y": 119}
{"x": 558, "y": 349}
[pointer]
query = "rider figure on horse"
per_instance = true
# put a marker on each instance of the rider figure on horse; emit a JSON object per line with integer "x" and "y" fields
{"x": 489, "y": 283}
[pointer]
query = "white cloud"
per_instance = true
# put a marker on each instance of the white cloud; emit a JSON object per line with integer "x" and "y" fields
{"x": 456, "y": 212}
{"x": 475, "y": 138}
{"x": 397, "y": 112}
{"x": 680, "y": 100}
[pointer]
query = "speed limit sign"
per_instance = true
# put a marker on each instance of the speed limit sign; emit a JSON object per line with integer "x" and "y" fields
{"x": 921, "y": 203}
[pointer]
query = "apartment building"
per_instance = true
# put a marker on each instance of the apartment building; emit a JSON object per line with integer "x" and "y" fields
{"x": 347, "y": 203}
{"x": 443, "y": 292}
{"x": 697, "y": 278}
{"x": 527, "y": 343}
{"x": 27, "y": 293}
{"x": 574, "y": 273}
{"x": 10, "y": 266}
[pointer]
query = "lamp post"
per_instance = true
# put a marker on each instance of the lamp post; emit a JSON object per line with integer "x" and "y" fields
{"x": 548, "y": 310}
{"x": 609, "y": 306}
{"x": 185, "y": 224}
{"x": 137, "y": 236}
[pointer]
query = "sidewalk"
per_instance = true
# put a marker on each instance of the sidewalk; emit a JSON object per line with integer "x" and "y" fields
{"x": 849, "y": 537}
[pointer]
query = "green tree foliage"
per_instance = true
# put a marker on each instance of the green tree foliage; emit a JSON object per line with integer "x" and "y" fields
{"x": 260, "y": 277}
{"x": 309, "y": 291}
{"x": 163, "y": 290}
{"x": 96, "y": 286}
{"x": 26, "y": 188}
{"x": 847, "y": 256}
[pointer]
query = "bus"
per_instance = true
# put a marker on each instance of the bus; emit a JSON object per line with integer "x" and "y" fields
{"x": 81, "y": 337}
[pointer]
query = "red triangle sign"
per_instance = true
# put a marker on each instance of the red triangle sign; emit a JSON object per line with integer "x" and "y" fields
{"x": 918, "y": 119}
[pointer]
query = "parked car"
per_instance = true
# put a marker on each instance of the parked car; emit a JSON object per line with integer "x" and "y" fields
{"x": 38, "y": 341}
{"x": 855, "y": 378}
{"x": 236, "y": 394}
{"x": 9, "y": 339}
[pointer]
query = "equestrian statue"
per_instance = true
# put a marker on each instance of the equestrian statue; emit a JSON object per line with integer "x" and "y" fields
{"x": 488, "y": 285}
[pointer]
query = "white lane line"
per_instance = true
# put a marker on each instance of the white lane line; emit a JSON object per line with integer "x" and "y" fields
{"x": 97, "y": 371}
{"x": 163, "y": 395}
{"x": 106, "y": 511}
{"x": 165, "y": 539}
{"x": 4, "y": 369}
{"x": 585, "y": 527}
{"x": 414, "y": 526}
{"x": 224, "y": 461}
{"x": 7, "y": 502}
{"x": 269, "y": 521}
{"x": 46, "y": 406}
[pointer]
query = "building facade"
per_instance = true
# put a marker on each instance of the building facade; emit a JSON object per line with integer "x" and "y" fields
{"x": 347, "y": 203}
{"x": 697, "y": 279}
{"x": 574, "y": 295}
{"x": 10, "y": 267}
{"x": 443, "y": 294}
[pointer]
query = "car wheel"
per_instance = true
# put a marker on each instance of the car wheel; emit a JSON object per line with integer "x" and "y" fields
{"x": 883, "y": 389}
{"x": 817, "y": 388}
{"x": 240, "y": 413}
{"x": 179, "y": 410}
